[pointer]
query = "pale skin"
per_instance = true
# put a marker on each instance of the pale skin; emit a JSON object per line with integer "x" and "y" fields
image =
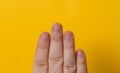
{"x": 56, "y": 53}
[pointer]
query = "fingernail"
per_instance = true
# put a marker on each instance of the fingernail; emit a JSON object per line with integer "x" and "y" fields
{"x": 81, "y": 53}
{"x": 68, "y": 35}
{"x": 44, "y": 35}
{"x": 57, "y": 27}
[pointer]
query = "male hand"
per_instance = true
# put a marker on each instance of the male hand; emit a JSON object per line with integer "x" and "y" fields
{"x": 56, "y": 53}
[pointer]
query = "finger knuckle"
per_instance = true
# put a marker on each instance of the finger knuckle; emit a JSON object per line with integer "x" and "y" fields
{"x": 41, "y": 65}
{"x": 70, "y": 67}
{"x": 56, "y": 60}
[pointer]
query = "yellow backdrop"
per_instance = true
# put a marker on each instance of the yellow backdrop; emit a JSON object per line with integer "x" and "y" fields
{"x": 95, "y": 23}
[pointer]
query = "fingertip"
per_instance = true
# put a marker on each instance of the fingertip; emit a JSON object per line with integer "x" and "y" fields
{"x": 80, "y": 53}
{"x": 68, "y": 35}
{"x": 57, "y": 26}
{"x": 56, "y": 32}
{"x": 81, "y": 58}
{"x": 45, "y": 35}
{"x": 44, "y": 38}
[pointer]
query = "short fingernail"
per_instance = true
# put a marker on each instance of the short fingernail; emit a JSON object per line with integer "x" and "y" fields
{"x": 81, "y": 53}
{"x": 68, "y": 35}
{"x": 57, "y": 27}
{"x": 44, "y": 35}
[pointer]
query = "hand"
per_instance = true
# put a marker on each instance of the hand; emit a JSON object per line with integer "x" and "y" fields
{"x": 56, "y": 53}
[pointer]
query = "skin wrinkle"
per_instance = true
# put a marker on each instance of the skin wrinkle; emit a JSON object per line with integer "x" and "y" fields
{"x": 56, "y": 60}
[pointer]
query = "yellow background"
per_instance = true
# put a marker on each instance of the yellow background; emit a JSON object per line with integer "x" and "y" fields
{"x": 95, "y": 23}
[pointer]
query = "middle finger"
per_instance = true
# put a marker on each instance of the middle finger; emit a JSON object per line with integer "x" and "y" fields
{"x": 56, "y": 50}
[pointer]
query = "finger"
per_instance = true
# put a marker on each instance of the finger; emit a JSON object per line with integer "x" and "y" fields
{"x": 41, "y": 58}
{"x": 56, "y": 49}
{"x": 81, "y": 62}
{"x": 69, "y": 53}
